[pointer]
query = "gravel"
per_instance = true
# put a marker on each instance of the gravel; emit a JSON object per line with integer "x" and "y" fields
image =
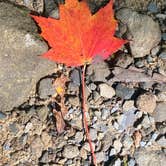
{"x": 126, "y": 118}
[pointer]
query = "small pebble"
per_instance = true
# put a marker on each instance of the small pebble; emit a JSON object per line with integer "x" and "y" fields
{"x": 160, "y": 112}
{"x": 117, "y": 145}
{"x": 164, "y": 36}
{"x": 117, "y": 162}
{"x": 146, "y": 102}
{"x": 112, "y": 152}
{"x": 86, "y": 146}
{"x": 105, "y": 113}
{"x": 152, "y": 7}
{"x": 146, "y": 122}
{"x": 162, "y": 142}
{"x": 70, "y": 151}
{"x": 106, "y": 91}
{"x": 79, "y": 137}
{"x": 155, "y": 50}
{"x": 128, "y": 105}
{"x": 93, "y": 134}
{"x": 92, "y": 86}
{"x": 13, "y": 128}
{"x": 139, "y": 63}
{"x": 124, "y": 92}
{"x": 131, "y": 162}
{"x": 2, "y": 115}
{"x": 46, "y": 88}
{"x": 83, "y": 153}
{"x": 127, "y": 142}
{"x": 163, "y": 55}
{"x": 100, "y": 157}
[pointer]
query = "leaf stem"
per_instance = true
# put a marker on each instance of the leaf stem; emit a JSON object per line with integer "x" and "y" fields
{"x": 84, "y": 116}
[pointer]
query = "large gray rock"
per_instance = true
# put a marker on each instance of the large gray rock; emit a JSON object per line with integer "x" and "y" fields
{"x": 144, "y": 30}
{"x": 20, "y": 67}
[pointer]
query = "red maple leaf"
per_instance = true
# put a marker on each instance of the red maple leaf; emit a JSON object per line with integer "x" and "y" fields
{"x": 78, "y": 37}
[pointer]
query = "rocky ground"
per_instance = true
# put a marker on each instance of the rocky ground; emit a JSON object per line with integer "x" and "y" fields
{"x": 126, "y": 95}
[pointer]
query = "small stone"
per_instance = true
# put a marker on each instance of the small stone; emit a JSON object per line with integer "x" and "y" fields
{"x": 162, "y": 141}
{"x": 107, "y": 141}
{"x": 93, "y": 134}
{"x": 13, "y": 128}
{"x": 146, "y": 122}
{"x": 124, "y": 61}
{"x": 36, "y": 147}
{"x": 42, "y": 113}
{"x": 106, "y": 91}
{"x": 124, "y": 92}
{"x": 105, "y": 113}
{"x": 2, "y": 115}
{"x": 146, "y": 102}
{"x": 128, "y": 105}
{"x": 131, "y": 162}
{"x": 117, "y": 162}
{"x": 164, "y": 36}
{"x": 98, "y": 71}
{"x": 83, "y": 153}
{"x": 76, "y": 122}
{"x": 155, "y": 50}
{"x": 146, "y": 85}
{"x": 117, "y": 145}
{"x": 75, "y": 76}
{"x": 160, "y": 112}
{"x": 152, "y": 7}
{"x": 92, "y": 86}
{"x": 44, "y": 158}
{"x": 100, "y": 126}
{"x": 28, "y": 127}
{"x": 87, "y": 148}
{"x": 161, "y": 96}
{"x": 96, "y": 96}
{"x": 127, "y": 142}
{"x": 163, "y": 55}
{"x": 78, "y": 137}
{"x": 54, "y": 13}
{"x": 100, "y": 157}
{"x": 161, "y": 16}
{"x": 70, "y": 151}
{"x": 46, "y": 139}
{"x": 146, "y": 158}
{"x": 139, "y": 63}
{"x": 112, "y": 152}
{"x": 46, "y": 88}
{"x": 51, "y": 9}
{"x": 74, "y": 101}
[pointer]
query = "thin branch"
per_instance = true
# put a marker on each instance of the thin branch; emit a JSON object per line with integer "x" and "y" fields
{"x": 84, "y": 116}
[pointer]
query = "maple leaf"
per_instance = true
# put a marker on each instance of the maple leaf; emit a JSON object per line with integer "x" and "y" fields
{"x": 78, "y": 36}
{"x": 77, "y": 39}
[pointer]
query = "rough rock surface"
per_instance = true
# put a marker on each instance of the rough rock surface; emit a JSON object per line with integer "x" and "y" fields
{"x": 146, "y": 102}
{"x": 160, "y": 112}
{"x": 20, "y": 67}
{"x": 144, "y": 30}
{"x": 146, "y": 158}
